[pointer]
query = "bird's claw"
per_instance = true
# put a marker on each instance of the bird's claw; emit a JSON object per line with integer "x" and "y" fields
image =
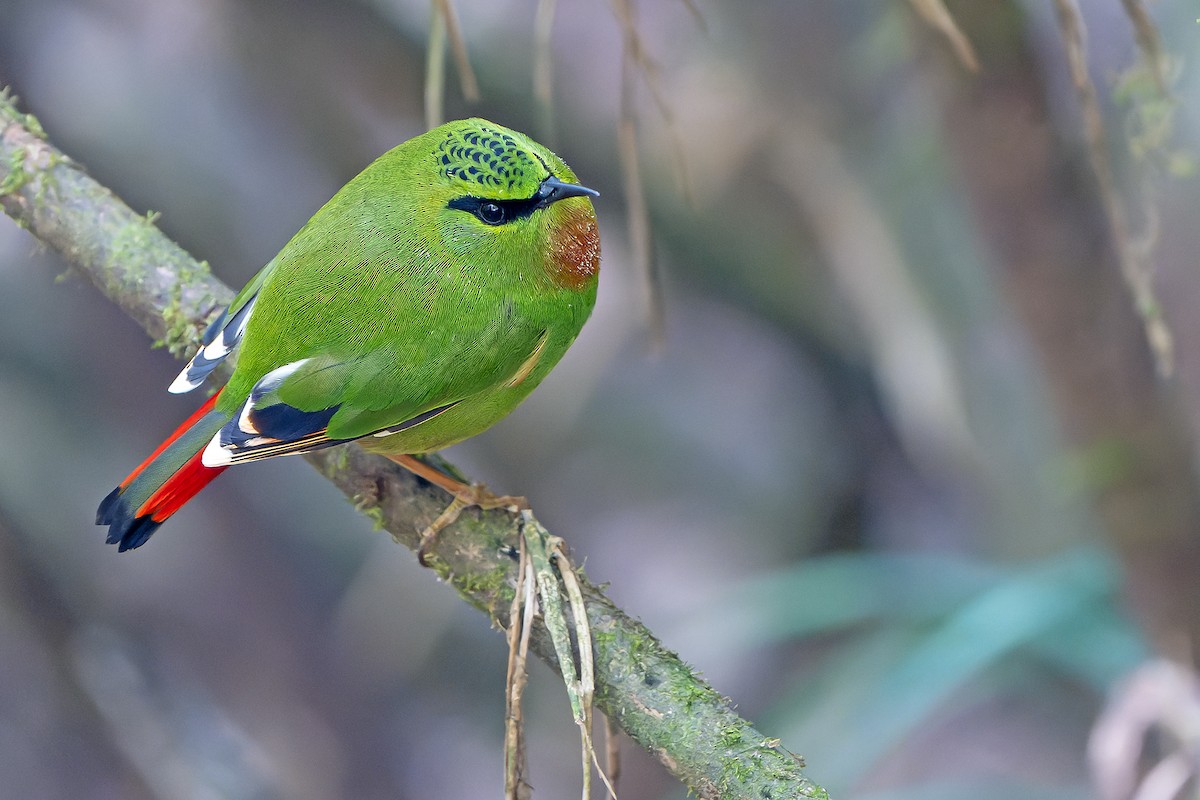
{"x": 475, "y": 494}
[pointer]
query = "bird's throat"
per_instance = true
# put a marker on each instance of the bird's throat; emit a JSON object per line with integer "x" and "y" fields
{"x": 573, "y": 258}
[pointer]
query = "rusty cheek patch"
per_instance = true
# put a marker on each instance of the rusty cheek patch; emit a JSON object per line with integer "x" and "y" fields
{"x": 573, "y": 258}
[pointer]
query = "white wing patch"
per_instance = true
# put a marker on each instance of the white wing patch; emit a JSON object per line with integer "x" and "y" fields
{"x": 214, "y": 455}
{"x": 218, "y": 342}
{"x": 225, "y": 444}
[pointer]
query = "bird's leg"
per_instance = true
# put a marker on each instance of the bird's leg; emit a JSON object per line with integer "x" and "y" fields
{"x": 465, "y": 496}
{"x": 470, "y": 494}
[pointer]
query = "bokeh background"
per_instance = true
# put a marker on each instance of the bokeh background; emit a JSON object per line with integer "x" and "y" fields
{"x": 891, "y": 465}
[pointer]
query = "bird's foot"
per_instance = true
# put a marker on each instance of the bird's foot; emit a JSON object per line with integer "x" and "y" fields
{"x": 475, "y": 494}
{"x": 465, "y": 496}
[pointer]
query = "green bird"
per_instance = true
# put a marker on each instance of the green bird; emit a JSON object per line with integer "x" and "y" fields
{"x": 415, "y": 309}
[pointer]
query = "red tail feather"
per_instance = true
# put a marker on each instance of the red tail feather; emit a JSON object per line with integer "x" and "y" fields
{"x": 182, "y": 429}
{"x": 179, "y": 488}
{"x": 161, "y": 484}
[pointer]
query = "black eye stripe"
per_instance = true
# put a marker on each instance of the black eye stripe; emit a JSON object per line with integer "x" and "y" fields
{"x": 486, "y": 209}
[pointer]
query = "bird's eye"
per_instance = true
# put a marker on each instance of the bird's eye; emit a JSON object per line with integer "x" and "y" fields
{"x": 491, "y": 213}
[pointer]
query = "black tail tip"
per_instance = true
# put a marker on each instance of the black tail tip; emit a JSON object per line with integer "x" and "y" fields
{"x": 124, "y": 529}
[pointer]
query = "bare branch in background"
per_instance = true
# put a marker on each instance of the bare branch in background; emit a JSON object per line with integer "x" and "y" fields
{"x": 435, "y": 68}
{"x": 638, "y": 215}
{"x": 1148, "y": 42}
{"x": 1132, "y": 255}
{"x": 938, "y": 17}
{"x": 458, "y": 47}
{"x": 443, "y": 24}
{"x": 543, "y": 70}
{"x": 636, "y": 56}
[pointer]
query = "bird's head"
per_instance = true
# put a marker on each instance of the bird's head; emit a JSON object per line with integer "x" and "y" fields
{"x": 504, "y": 198}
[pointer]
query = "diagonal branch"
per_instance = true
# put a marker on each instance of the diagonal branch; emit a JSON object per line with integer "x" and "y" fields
{"x": 646, "y": 689}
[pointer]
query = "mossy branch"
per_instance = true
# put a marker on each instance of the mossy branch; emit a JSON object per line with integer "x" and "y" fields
{"x": 646, "y": 689}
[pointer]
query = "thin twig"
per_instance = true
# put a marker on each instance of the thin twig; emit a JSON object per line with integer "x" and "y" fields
{"x": 458, "y": 47}
{"x": 938, "y": 17}
{"x": 542, "y": 549}
{"x": 1149, "y": 42}
{"x": 637, "y": 210}
{"x": 521, "y": 615}
{"x": 1134, "y": 267}
{"x": 634, "y": 48}
{"x": 587, "y": 666}
{"x": 543, "y": 70}
{"x": 435, "y": 67}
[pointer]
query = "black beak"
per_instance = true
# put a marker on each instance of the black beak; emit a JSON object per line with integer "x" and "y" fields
{"x": 552, "y": 190}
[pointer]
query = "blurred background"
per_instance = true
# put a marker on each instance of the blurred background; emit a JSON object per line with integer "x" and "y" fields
{"x": 893, "y": 464}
